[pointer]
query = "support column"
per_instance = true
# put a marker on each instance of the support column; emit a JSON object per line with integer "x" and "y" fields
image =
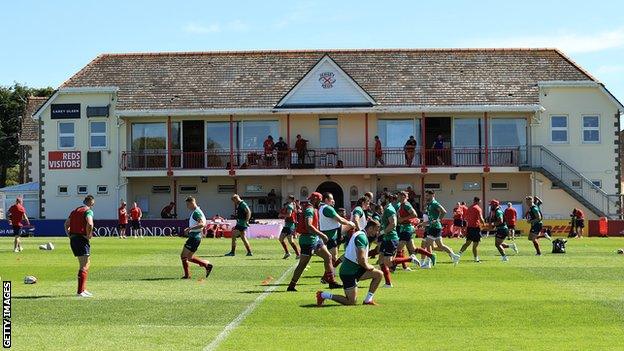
{"x": 423, "y": 155}
{"x": 169, "y": 140}
{"x": 483, "y": 202}
{"x": 175, "y": 196}
{"x": 486, "y": 168}
{"x": 422, "y": 193}
{"x": 366, "y": 140}
{"x": 288, "y": 155}
{"x": 232, "y": 171}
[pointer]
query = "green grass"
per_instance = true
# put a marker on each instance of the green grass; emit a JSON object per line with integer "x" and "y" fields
{"x": 573, "y": 301}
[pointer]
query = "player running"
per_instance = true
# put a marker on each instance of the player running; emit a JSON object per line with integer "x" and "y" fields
{"x": 17, "y": 215}
{"x": 197, "y": 222}
{"x": 408, "y": 219}
{"x": 79, "y": 227}
{"x": 458, "y": 220}
{"x": 330, "y": 224}
{"x": 356, "y": 268}
{"x": 511, "y": 216}
{"x": 289, "y": 214}
{"x": 243, "y": 215}
{"x": 474, "y": 220}
{"x": 433, "y": 230}
{"x": 534, "y": 217}
{"x": 122, "y": 217}
{"x": 497, "y": 221}
{"x": 311, "y": 241}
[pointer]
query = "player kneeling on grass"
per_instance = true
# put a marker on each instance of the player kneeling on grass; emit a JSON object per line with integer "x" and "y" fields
{"x": 197, "y": 222}
{"x": 355, "y": 267}
{"x": 79, "y": 227}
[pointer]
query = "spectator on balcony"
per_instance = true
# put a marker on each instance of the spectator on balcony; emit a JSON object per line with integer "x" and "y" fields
{"x": 268, "y": 146}
{"x": 410, "y": 150}
{"x": 438, "y": 146}
{"x": 168, "y": 211}
{"x": 378, "y": 152}
{"x": 301, "y": 146}
{"x": 282, "y": 150}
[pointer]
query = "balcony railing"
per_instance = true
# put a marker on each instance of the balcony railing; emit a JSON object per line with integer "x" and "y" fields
{"x": 322, "y": 158}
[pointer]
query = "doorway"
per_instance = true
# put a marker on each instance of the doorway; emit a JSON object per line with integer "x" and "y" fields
{"x": 334, "y": 189}
{"x": 438, "y": 126}
{"x": 193, "y": 144}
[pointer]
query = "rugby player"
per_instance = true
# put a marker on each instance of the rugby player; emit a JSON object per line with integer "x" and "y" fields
{"x": 534, "y": 217}
{"x": 330, "y": 224}
{"x": 122, "y": 217}
{"x": 433, "y": 230}
{"x": 79, "y": 227}
{"x": 312, "y": 242}
{"x": 17, "y": 215}
{"x": 197, "y": 222}
{"x": 511, "y": 216}
{"x": 135, "y": 216}
{"x": 243, "y": 215}
{"x": 497, "y": 221}
{"x": 474, "y": 220}
{"x": 407, "y": 219}
{"x": 289, "y": 214}
{"x": 458, "y": 220}
{"x": 356, "y": 268}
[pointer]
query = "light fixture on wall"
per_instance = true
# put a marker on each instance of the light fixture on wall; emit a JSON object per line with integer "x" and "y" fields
{"x": 204, "y": 179}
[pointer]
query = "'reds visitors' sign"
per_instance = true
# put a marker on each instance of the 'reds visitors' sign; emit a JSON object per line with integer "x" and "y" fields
{"x": 64, "y": 160}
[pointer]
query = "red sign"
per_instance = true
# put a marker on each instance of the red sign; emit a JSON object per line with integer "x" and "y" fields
{"x": 64, "y": 160}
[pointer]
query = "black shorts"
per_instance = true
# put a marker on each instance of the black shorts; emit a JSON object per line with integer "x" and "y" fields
{"x": 511, "y": 226}
{"x": 192, "y": 243}
{"x": 349, "y": 281}
{"x": 473, "y": 234}
{"x": 121, "y": 226}
{"x": 136, "y": 224}
{"x": 406, "y": 235}
{"x": 536, "y": 228}
{"x": 388, "y": 248}
{"x": 501, "y": 233}
{"x": 332, "y": 243}
{"x": 17, "y": 230}
{"x": 464, "y": 223}
{"x": 287, "y": 231}
{"x": 80, "y": 245}
{"x": 240, "y": 228}
{"x": 580, "y": 223}
{"x": 435, "y": 233}
{"x": 458, "y": 222}
{"x": 308, "y": 250}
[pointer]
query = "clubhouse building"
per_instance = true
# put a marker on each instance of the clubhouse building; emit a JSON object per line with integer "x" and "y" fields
{"x": 153, "y": 128}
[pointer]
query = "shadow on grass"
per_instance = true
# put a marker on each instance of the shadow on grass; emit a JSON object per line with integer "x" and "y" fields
{"x": 35, "y": 297}
{"x": 155, "y": 279}
{"x": 262, "y": 291}
{"x": 281, "y": 284}
{"x": 313, "y": 305}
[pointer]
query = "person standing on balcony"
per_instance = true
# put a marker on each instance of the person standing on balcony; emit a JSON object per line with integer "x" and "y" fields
{"x": 282, "y": 150}
{"x": 511, "y": 216}
{"x": 438, "y": 146}
{"x": 410, "y": 150}
{"x": 378, "y": 152}
{"x": 301, "y": 146}
{"x": 243, "y": 215}
{"x": 135, "y": 216}
{"x": 268, "y": 146}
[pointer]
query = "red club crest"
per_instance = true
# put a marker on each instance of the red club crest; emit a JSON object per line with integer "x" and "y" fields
{"x": 327, "y": 80}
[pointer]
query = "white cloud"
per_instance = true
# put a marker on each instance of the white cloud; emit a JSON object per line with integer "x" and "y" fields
{"x": 232, "y": 26}
{"x": 610, "y": 69}
{"x": 566, "y": 41}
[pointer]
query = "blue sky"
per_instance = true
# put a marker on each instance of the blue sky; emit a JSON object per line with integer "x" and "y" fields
{"x": 45, "y": 42}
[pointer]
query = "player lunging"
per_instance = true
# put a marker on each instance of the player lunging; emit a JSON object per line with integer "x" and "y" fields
{"x": 79, "y": 227}
{"x": 197, "y": 222}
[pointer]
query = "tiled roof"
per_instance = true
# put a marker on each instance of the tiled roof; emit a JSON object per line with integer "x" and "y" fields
{"x": 258, "y": 79}
{"x": 30, "y": 127}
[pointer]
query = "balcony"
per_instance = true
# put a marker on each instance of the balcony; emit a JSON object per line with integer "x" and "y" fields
{"x": 322, "y": 159}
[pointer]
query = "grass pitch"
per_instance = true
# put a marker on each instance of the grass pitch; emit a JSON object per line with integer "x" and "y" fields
{"x": 570, "y": 302}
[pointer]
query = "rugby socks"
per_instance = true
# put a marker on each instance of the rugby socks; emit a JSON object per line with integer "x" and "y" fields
{"x": 284, "y": 246}
{"x": 327, "y": 295}
{"x": 423, "y": 252}
{"x": 329, "y": 277}
{"x": 505, "y": 246}
{"x": 369, "y": 297}
{"x": 402, "y": 260}
{"x": 537, "y": 247}
{"x": 82, "y": 280}
{"x": 337, "y": 262}
{"x": 399, "y": 259}
{"x": 198, "y": 262}
{"x": 386, "y": 274}
{"x": 185, "y": 265}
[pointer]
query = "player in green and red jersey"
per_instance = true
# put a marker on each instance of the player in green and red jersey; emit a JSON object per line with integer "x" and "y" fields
{"x": 197, "y": 222}
{"x": 312, "y": 242}
{"x": 330, "y": 223}
{"x": 243, "y": 215}
{"x": 407, "y": 219}
{"x": 433, "y": 231}
{"x": 534, "y": 217}
{"x": 497, "y": 221}
{"x": 355, "y": 267}
{"x": 79, "y": 227}
{"x": 289, "y": 214}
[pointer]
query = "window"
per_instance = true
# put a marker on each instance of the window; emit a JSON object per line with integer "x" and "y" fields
{"x": 161, "y": 189}
{"x": 226, "y": 189}
{"x": 149, "y": 136}
{"x": 395, "y": 132}
{"x": 506, "y": 132}
{"x": 576, "y": 183}
{"x": 102, "y": 189}
{"x": 63, "y": 190}
{"x": 468, "y": 133}
{"x": 597, "y": 182}
{"x": 67, "y": 135}
{"x": 254, "y": 188}
{"x": 218, "y": 136}
{"x": 188, "y": 189}
{"x": 432, "y": 186}
{"x": 97, "y": 135}
{"x": 591, "y": 129}
{"x": 328, "y": 129}
{"x": 471, "y": 186}
{"x": 82, "y": 189}
{"x": 499, "y": 186}
{"x": 559, "y": 129}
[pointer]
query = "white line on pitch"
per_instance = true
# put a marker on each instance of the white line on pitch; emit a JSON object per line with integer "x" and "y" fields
{"x": 250, "y": 308}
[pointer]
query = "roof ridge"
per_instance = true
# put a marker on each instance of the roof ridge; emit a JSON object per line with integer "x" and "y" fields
{"x": 82, "y": 70}
{"x": 576, "y": 65}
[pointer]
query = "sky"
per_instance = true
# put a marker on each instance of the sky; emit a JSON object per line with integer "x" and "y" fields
{"x": 46, "y": 42}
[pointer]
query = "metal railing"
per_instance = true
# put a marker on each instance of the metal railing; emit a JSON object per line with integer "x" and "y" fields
{"x": 573, "y": 181}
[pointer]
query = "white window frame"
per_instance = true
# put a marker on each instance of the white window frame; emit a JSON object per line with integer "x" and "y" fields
{"x": 583, "y": 129}
{"x": 92, "y": 134}
{"x": 60, "y": 135}
{"x": 329, "y": 126}
{"x": 102, "y": 192}
{"x": 566, "y": 129}
{"x": 578, "y": 181}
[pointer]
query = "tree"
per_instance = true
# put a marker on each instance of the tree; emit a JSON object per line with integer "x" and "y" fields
{"x": 12, "y": 104}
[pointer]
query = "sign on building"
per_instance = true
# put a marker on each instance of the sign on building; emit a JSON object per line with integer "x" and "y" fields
{"x": 65, "y": 111}
{"x": 64, "y": 160}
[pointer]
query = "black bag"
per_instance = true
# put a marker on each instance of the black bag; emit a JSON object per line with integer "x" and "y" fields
{"x": 559, "y": 246}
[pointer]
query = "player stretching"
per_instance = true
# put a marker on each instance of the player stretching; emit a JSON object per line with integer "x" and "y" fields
{"x": 433, "y": 230}
{"x": 197, "y": 222}
{"x": 407, "y": 218}
{"x": 17, "y": 214}
{"x": 511, "y": 216}
{"x": 474, "y": 220}
{"x": 355, "y": 268}
{"x": 79, "y": 227}
{"x": 534, "y": 217}
{"x": 497, "y": 221}
{"x": 311, "y": 241}
{"x": 243, "y": 215}
{"x": 330, "y": 223}
{"x": 289, "y": 214}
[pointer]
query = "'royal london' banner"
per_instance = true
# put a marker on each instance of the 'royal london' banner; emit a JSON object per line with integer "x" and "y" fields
{"x": 64, "y": 160}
